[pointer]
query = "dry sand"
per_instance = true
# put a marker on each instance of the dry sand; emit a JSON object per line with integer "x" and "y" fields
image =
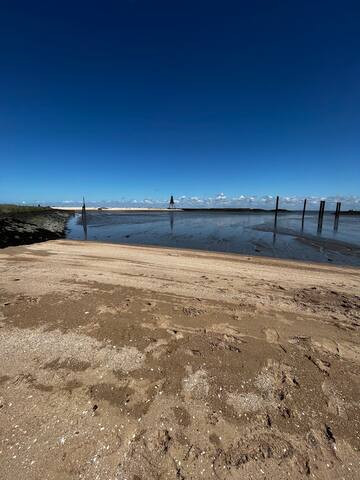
{"x": 129, "y": 363}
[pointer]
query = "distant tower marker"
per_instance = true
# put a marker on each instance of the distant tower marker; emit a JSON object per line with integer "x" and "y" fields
{"x": 171, "y": 203}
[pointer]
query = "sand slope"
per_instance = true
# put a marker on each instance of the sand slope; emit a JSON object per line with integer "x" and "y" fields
{"x": 121, "y": 362}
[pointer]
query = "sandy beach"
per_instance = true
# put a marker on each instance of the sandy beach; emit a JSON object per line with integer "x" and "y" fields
{"x": 128, "y": 363}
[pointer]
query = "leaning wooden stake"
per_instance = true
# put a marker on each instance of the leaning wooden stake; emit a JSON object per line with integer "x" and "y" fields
{"x": 303, "y": 215}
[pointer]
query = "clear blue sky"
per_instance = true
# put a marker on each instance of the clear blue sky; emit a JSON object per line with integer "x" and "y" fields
{"x": 145, "y": 98}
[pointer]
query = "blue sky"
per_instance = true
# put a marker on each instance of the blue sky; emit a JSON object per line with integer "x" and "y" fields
{"x": 136, "y": 100}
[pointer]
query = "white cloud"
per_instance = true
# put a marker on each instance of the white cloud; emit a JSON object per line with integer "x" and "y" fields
{"x": 220, "y": 196}
{"x": 238, "y": 201}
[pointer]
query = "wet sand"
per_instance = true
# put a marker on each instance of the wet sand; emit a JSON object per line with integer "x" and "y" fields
{"x": 124, "y": 362}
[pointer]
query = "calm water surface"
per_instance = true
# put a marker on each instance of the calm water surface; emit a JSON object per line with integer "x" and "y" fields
{"x": 246, "y": 233}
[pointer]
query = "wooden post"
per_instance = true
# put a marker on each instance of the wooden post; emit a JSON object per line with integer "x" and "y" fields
{"x": 83, "y": 218}
{"x": 337, "y": 215}
{"x": 276, "y": 212}
{"x": 321, "y": 215}
{"x": 303, "y": 215}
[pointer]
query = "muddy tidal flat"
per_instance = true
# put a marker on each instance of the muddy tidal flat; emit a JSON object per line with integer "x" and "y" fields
{"x": 140, "y": 363}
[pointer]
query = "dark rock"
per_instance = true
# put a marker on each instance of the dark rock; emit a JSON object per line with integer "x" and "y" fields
{"x": 26, "y": 228}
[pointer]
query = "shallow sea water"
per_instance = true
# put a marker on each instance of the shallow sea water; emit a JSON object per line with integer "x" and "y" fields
{"x": 236, "y": 232}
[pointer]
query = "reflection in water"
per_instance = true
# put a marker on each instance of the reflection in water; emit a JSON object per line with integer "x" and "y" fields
{"x": 275, "y": 221}
{"x": 274, "y": 237}
{"x": 85, "y": 231}
{"x": 171, "y": 221}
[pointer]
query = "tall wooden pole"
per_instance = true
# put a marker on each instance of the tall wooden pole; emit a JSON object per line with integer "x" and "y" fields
{"x": 337, "y": 215}
{"x": 321, "y": 215}
{"x": 303, "y": 215}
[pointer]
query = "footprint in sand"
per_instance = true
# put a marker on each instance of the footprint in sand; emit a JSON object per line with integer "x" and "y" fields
{"x": 271, "y": 335}
{"x": 336, "y": 405}
{"x": 191, "y": 311}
